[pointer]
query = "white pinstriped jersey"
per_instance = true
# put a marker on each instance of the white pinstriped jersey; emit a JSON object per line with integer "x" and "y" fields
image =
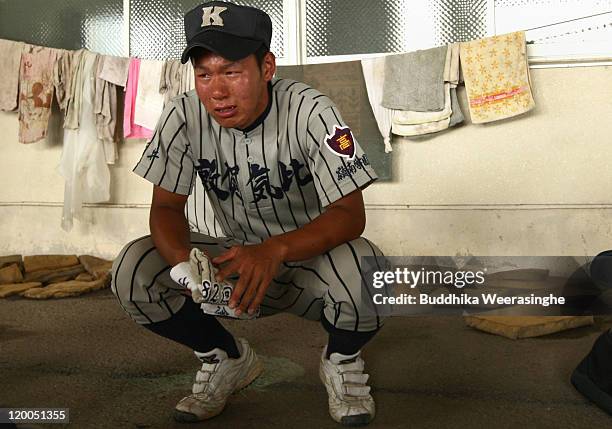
{"x": 199, "y": 212}
{"x": 274, "y": 178}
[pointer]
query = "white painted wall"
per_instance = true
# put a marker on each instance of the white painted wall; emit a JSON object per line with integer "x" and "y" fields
{"x": 534, "y": 185}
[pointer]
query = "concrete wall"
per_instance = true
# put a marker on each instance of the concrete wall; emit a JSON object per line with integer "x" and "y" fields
{"x": 534, "y": 185}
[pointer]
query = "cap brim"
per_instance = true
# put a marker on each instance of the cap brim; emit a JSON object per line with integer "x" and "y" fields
{"x": 230, "y": 47}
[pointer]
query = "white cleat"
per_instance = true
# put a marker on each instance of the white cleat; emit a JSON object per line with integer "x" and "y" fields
{"x": 219, "y": 377}
{"x": 350, "y": 402}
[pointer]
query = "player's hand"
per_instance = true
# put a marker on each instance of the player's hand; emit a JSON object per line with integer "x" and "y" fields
{"x": 256, "y": 265}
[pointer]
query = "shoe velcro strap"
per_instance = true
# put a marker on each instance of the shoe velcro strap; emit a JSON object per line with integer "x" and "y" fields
{"x": 355, "y": 378}
{"x": 203, "y": 376}
{"x": 356, "y": 366}
{"x": 204, "y": 387}
{"x": 355, "y": 389}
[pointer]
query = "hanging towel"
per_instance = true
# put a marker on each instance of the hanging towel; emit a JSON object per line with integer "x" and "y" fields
{"x": 35, "y": 92}
{"x": 456, "y": 114}
{"x": 406, "y": 117}
{"x": 434, "y": 126}
{"x": 105, "y": 109}
{"x": 420, "y": 129}
{"x": 415, "y": 81}
{"x": 62, "y": 76}
{"x": 75, "y": 93}
{"x": 83, "y": 164}
{"x": 149, "y": 102}
{"x": 131, "y": 130}
{"x": 115, "y": 70}
{"x": 373, "y": 74}
{"x": 10, "y": 52}
{"x": 496, "y": 77}
{"x": 187, "y": 78}
{"x": 453, "y": 73}
{"x": 451, "y": 66}
{"x": 170, "y": 82}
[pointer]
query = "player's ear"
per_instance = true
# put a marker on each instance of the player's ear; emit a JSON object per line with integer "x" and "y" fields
{"x": 268, "y": 66}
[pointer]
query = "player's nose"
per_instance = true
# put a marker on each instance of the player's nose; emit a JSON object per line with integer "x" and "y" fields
{"x": 218, "y": 88}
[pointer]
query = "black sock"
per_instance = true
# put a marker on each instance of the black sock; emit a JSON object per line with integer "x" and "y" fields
{"x": 345, "y": 342}
{"x": 199, "y": 331}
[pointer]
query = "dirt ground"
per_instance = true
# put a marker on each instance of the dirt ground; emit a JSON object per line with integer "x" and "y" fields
{"x": 85, "y": 354}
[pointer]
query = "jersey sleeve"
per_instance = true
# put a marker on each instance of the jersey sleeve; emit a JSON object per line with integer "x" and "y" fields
{"x": 338, "y": 161}
{"x": 167, "y": 160}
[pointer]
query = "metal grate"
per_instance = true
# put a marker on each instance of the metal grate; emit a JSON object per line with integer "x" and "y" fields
{"x": 156, "y": 26}
{"x": 459, "y": 20}
{"x": 67, "y": 24}
{"x": 343, "y": 27}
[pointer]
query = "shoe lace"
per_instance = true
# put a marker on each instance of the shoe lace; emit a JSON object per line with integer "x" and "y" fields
{"x": 353, "y": 380}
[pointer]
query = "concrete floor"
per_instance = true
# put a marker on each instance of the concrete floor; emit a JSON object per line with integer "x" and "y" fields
{"x": 85, "y": 354}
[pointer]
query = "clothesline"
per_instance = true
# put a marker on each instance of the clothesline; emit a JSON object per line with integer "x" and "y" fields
{"x": 411, "y": 94}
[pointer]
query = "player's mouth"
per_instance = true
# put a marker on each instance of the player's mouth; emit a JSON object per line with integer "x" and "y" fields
{"x": 226, "y": 111}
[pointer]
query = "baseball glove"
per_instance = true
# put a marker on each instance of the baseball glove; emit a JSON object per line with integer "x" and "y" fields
{"x": 198, "y": 275}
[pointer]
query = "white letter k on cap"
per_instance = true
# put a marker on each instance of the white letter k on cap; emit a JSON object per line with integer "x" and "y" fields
{"x": 212, "y": 16}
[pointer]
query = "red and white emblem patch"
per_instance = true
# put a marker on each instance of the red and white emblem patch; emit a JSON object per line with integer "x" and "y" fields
{"x": 341, "y": 142}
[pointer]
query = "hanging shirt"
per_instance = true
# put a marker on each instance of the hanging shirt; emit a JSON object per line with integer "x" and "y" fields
{"x": 75, "y": 93}
{"x": 10, "y": 52}
{"x": 62, "y": 77}
{"x": 35, "y": 92}
{"x": 130, "y": 129}
{"x": 170, "y": 82}
{"x": 83, "y": 163}
{"x": 374, "y": 75}
{"x": 149, "y": 102}
{"x": 115, "y": 70}
{"x": 105, "y": 108}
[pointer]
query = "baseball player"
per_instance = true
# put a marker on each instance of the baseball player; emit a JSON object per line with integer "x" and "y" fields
{"x": 284, "y": 175}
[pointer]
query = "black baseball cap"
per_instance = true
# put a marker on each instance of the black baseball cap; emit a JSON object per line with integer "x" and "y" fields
{"x": 230, "y": 30}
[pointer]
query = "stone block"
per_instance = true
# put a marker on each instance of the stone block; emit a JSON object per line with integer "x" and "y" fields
{"x": 11, "y": 259}
{"x": 16, "y": 289}
{"x": 95, "y": 266}
{"x": 51, "y": 276}
{"x": 66, "y": 289}
{"x": 516, "y": 327}
{"x": 11, "y": 274}
{"x": 48, "y": 262}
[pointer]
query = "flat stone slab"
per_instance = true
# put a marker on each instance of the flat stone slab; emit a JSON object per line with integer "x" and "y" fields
{"x": 11, "y": 259}
{"x": 11, "y": 274}
{"x": 95, "y": 266}
{"x": 52, "y": 275}
{"x": 85, "y": 277}
{"x": 46, "y": 262}
{"x": 66, "y": 289}
{"x": 16, "y": 289}
{"x": 515, "y": 327}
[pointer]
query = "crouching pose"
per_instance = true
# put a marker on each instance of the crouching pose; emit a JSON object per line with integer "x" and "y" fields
{"x": 284, "y": 175}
